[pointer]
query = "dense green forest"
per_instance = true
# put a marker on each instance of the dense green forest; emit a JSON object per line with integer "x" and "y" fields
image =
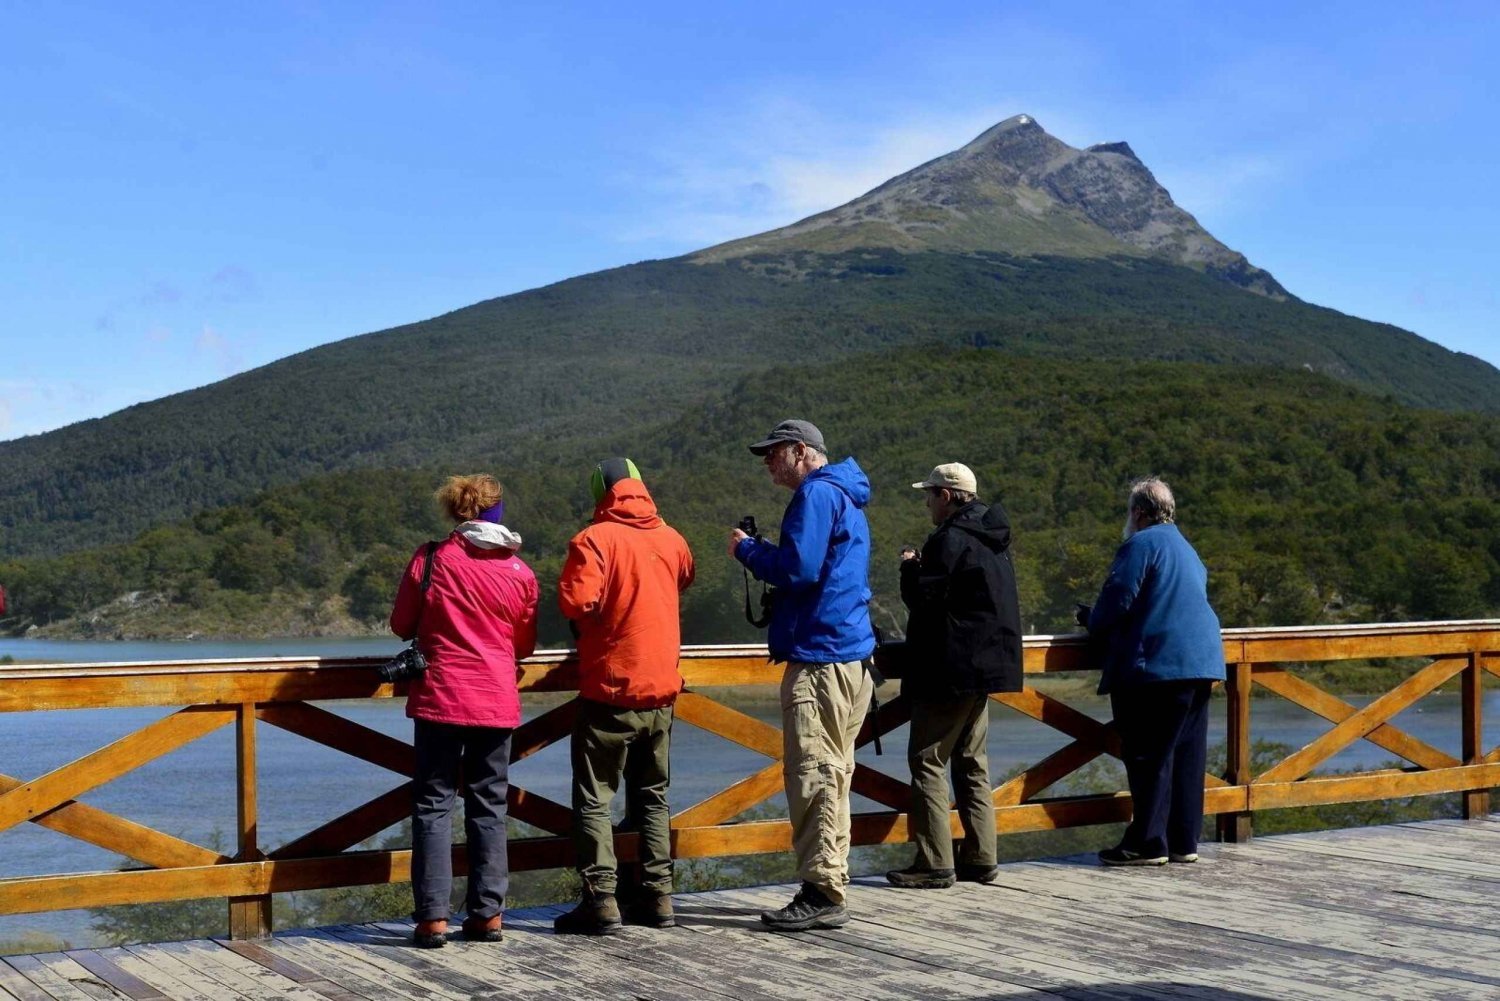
{"x": 554, "y": 369}
{"x": 1309, "y": 501}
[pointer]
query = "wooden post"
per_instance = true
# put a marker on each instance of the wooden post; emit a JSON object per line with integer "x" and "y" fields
{"x": 1237, "y": 827}
{"x": 249, "y": 917}
{"x": 1476, "y": 802}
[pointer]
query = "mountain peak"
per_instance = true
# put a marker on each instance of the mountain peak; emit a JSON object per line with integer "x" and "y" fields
{"x": 1017, "y": 189}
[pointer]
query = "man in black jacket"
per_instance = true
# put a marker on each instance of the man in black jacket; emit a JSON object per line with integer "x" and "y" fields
{"x": 963, "y": 641}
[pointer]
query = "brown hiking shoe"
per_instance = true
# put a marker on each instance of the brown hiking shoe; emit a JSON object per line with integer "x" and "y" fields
{"x": 596, "y": 914}
{"x": 431, "y": 934}
{"x": 483, "y": 929}
{"x": 651, "y": 911}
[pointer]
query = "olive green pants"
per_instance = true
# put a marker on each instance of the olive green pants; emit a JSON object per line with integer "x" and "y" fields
{"x": 822, "y": 709}
{"x": 951, "y": 733}
{"x": 610, "y": 743}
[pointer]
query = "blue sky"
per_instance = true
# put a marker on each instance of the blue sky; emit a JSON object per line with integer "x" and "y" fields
{"x": 191, "y": 190}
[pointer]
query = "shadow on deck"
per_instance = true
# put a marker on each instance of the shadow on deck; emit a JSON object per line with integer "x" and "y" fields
{"x": 1405, "y": 911}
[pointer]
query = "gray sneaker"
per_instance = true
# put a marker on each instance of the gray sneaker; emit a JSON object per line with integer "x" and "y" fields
{"x": 808, "y": 909}
{"x": 1124, "y": 856}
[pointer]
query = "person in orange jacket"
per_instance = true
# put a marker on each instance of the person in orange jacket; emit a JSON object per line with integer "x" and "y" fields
{"x": 620, "y": 587}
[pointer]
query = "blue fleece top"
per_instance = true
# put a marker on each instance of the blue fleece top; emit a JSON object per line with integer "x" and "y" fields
{"x": 1154, "y": 616}
{"x": 821, "y": 569}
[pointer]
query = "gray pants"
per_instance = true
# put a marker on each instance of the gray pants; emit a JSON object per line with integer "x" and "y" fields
{"x": 480, "y": 756}
{"x": 951, "y": 732}
{"x": 822, "y": 709}
{"x": 610, "y": 743}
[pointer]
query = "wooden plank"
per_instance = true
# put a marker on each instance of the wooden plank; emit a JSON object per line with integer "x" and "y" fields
{"x": 14, "y": 981}
{"x": 1362, "y": 722}
{"x": 295, "y": 972}
{"x": 731, "y": 724}
{"x": 57, "y": 787}
{"x": 355, "y": 974}
{"x": 1045, "y": 773}
{"x": 118, "y": 979}
{"x": 349, "y": 829}
{"x": 1336, "y": 710}
{"x": 537, "y": 810}
{"x": 1475, "y": 803}
{"x": 734, "y": 800}
{"x": 60, "y": 977}
{"x": 880, "y": 787}
{"x": 208, "y": 964}
{"x": 170, "y": 977}
{"x": 342, "y": 734}
{"x": 116, "y": 834}
{"x": 543, "y": 731}
{"x": 1061, "y": 717}
{"x": 1381, "y": 785}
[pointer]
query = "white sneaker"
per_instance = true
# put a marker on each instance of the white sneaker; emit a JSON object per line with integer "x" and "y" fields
{"x": 1188, "y": 857}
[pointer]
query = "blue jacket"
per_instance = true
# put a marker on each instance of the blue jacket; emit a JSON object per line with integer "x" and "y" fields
{"x": 821, "y": 569}
{"x": 1153, "y": 616}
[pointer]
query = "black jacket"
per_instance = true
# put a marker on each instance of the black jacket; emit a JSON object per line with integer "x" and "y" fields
{"x": 964, "y": 633}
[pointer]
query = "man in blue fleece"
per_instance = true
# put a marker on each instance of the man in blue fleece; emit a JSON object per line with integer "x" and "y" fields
{"x": 1162, "y": 654}
{"x": 820, "y": 628}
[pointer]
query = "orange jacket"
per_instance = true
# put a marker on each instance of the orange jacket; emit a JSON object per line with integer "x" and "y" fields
{"x": 620, "y": 584}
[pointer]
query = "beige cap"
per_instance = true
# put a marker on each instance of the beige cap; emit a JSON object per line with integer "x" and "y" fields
{"x": 953, "y": 475}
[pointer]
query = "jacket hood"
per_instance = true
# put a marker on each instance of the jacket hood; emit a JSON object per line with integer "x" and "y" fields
{"x": 487, "y": 535}
{"x": 628, "y": 502}
{"x": 848, "y": 477}
{"x": 989, "y": 525}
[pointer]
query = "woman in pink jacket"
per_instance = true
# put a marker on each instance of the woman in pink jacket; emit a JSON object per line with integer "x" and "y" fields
{"x": 475, "y": 621}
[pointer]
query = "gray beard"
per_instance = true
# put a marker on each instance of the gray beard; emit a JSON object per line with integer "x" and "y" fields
{"x": 1129, "y": 529}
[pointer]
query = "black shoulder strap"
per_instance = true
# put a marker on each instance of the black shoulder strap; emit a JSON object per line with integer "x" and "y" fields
{"x": 427, "y": 561}
{"x": 427, "y": 566}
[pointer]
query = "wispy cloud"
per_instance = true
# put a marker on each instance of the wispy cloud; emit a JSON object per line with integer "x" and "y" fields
{"x": 213, "y": 344}
{"x": 780, "y": 161}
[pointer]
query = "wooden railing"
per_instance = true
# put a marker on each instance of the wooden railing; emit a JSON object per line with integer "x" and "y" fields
{"x": 279, "y": 692}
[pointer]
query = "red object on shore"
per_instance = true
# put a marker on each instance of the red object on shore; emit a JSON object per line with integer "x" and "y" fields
{"x": 2, "y": 599}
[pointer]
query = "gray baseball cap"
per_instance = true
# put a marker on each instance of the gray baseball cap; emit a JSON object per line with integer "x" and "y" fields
{"x": 802, "y": 431}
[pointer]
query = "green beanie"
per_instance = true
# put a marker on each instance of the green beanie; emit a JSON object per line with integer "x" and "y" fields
{"x": 608, "y": 473}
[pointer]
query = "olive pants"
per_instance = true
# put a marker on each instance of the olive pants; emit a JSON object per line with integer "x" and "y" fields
{"x": 951, "y": 733}
{"x": 611, "y": 743}
{"x": 822, "y": 709}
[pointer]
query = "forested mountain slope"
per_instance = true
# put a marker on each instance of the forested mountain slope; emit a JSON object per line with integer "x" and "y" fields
{"x": 1309, "y": 501}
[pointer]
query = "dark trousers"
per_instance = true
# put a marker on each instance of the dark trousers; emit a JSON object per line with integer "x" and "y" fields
{"x": 950, "y": 734}
{"x": 610, "y": 744}
{"x": 479, "y": 756}
{"x": 1164, "y": 740}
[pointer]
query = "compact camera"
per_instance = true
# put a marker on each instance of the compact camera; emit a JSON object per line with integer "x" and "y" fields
{"x": 748, "y": 526}
{"x": 407, "y": 664}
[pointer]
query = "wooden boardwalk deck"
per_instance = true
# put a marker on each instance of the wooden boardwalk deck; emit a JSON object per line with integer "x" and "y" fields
{"x": 1408, "y": 911}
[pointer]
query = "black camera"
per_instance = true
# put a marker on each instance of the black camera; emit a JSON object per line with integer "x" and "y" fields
{"x": 748, "y": 526}
{"x": 407, "y": 664}
{"x": 767, "y": 594}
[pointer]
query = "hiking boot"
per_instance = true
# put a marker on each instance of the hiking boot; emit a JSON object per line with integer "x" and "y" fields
{"x": 912, "y": 878}
{"x": 1182, "y": 856}
{"x": 1124, "y": 856}
{"x": 483, "y": 929}
{"x": 808, "y": 909}
{"x": 431, "y": 934}
{"x": 651, "y": 911}
{"x": 596, "y": 914}
{"x": 978, "y": 873}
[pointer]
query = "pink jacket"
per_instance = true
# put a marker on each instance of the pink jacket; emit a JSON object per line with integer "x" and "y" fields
{"x": 479, "y": 620}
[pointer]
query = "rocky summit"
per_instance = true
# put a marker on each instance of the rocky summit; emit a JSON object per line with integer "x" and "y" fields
{"x": 1019, "y": 190}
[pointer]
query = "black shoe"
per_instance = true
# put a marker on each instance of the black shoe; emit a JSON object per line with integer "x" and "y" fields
{"x": 808, "y": 909}
{"x": 1124, "y": 856}
{"x": 912, "y": 878}
{"x": 978, "y": 873}
{"x": 596, "y": 914}
{"x": 650, "y": 911}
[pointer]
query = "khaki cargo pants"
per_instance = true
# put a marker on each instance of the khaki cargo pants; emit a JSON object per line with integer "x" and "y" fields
{"x": 822, "y": 709}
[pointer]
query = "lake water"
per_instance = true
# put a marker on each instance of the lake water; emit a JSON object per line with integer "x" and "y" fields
{"x": 191, "y": 792}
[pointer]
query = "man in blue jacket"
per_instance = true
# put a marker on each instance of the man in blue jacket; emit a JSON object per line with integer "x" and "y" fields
{"x": 1162, "y": 654}
{"x": 820, "y": 628}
